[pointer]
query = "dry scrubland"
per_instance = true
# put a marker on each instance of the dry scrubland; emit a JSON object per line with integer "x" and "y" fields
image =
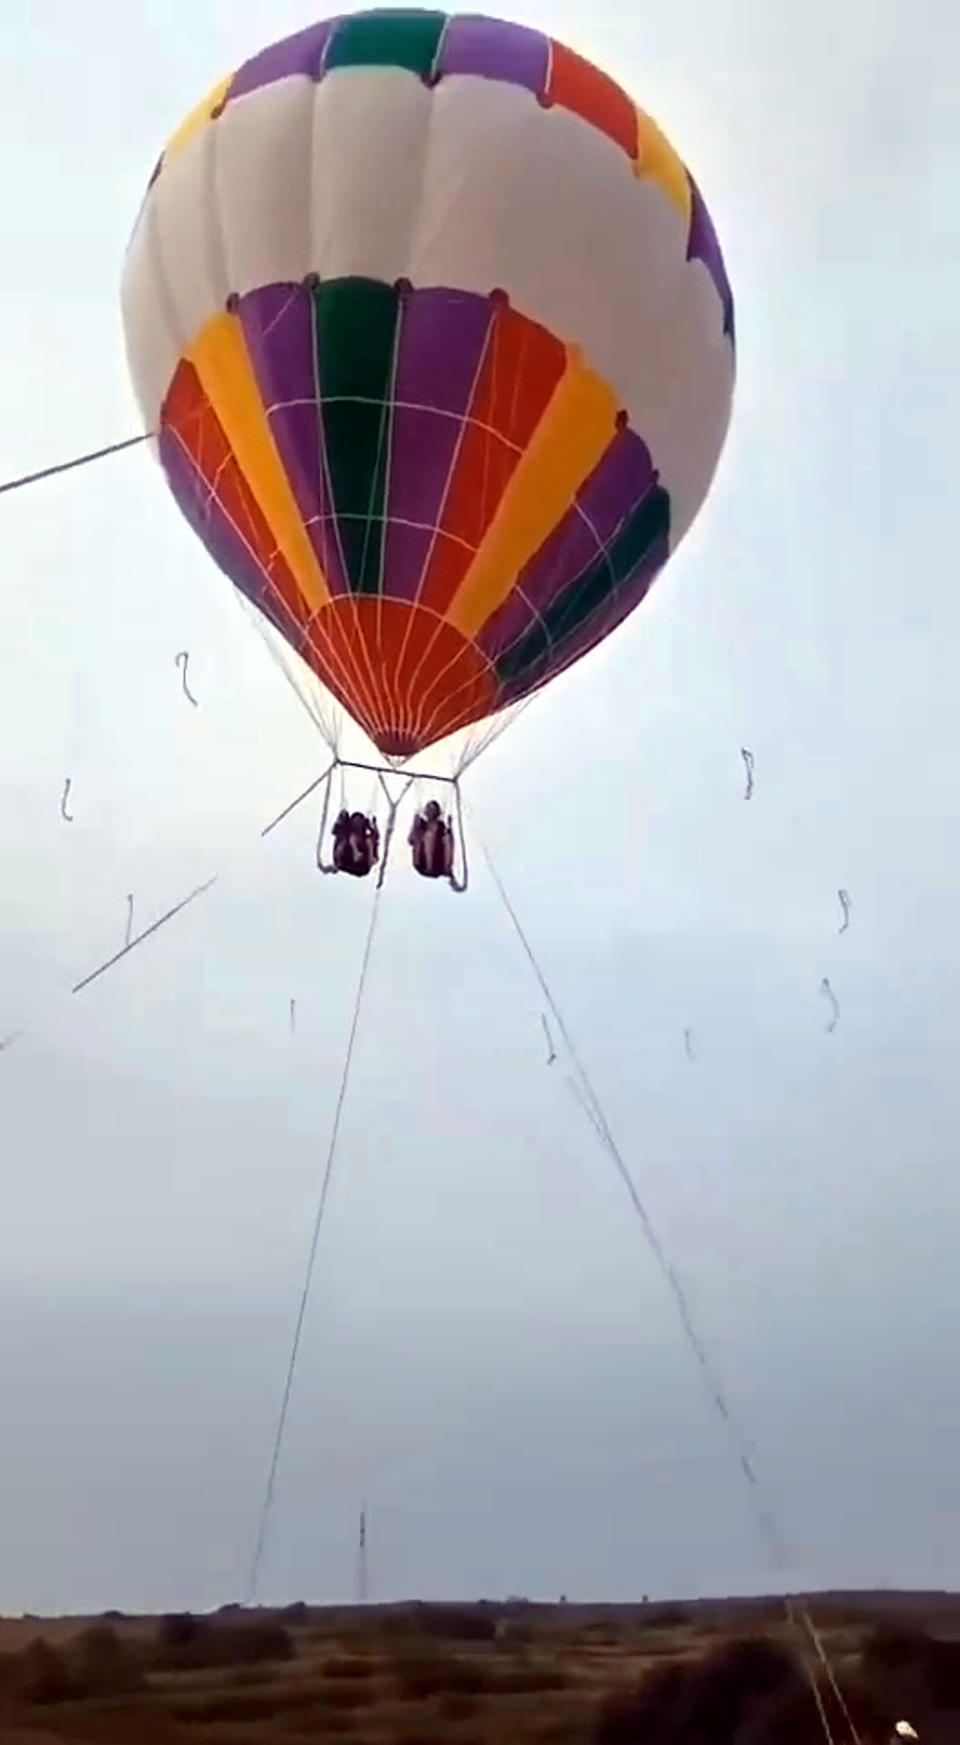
{"x": 705, "y": 1674}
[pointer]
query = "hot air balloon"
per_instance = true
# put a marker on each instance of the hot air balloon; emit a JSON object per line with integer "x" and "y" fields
{"x": 432, "y": 332}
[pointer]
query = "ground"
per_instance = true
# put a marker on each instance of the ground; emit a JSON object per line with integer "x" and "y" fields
{"x": 512, "y": 1674}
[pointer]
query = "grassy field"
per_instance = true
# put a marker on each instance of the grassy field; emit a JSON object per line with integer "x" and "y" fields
{"x": 710, "y": 1673}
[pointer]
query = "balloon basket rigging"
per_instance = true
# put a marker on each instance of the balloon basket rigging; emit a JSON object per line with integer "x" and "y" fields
{"x": 324, "y": 784}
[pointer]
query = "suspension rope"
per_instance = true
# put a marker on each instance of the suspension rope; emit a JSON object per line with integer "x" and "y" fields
{"x": 270, "y": 1487}
{"x": 68, "y": 466}
{"x": 154, "y": 927}
{"x": 604, "y": 1131}
{"x": 485, "y": 734}
{"x": 322, "y": 708}
{"x": 769, "y": 1529}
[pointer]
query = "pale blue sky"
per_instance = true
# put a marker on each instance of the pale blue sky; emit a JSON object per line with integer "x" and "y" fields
{"x": 490, "y": 1355}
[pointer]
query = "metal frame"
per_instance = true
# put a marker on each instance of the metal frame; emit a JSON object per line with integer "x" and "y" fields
{"x": 381, "y": 771}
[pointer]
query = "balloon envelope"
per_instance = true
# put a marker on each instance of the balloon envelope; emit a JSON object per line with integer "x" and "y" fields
{"x": 433, "y": 330}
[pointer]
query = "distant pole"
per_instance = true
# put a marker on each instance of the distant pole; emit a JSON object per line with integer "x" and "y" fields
{"x": 362, "y": 1559}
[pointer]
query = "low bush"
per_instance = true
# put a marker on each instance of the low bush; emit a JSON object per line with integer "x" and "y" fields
{"x": 748, "y": 1692}
{"x": 187, "y": 1644}
{"x": 944, "y": 1674}
{"x": 666, "y": 1617}
{"x": 904, "y": 1666}
{"x": 528, "y": 1678}
{"x": 43, "y": 1675}
{"x": 339, "y": 1695}
{"x": 102, "y": 1664}
{"x": 797, "y": 1718}
{"x": 350, "y": 1666}
{"x": 432, "y": 1675}
{"x": 242, "y": 1705}
{"x": 457, "y": 1623}
{"x": 892, "y": 1647}
{"x": 457, "y": 1706}
{"x": 95, "y": 1664}
{"x": 178, "y": 1629}
{"x": 707, "y": 1698}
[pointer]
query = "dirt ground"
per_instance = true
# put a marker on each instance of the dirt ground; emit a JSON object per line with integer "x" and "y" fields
{"x": 421, "y": 1675}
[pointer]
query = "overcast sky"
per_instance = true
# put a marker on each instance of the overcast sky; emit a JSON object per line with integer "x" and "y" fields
{"x": 491, "y": 1357}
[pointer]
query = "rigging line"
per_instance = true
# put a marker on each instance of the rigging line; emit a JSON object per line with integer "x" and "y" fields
{"x": 328, "y": 772}
{"x": 313, "y": 706}
{"x": 153, "y": 928}
{"x": 312, "y": 1255}
{"x": 309, "y": 690}
{"x": 489, "y": 732}
{"x": 827, "y": 1665}
{"x": 626, "y": 1176}
{"x": 769, "y": 1530}
{"x": 552, "y": 1053}
{"x": 799, "y": 1617}
{"x": 80, "y": 460}
{"x": 814, "y": 1683}
{"x": 576, "y": 1090}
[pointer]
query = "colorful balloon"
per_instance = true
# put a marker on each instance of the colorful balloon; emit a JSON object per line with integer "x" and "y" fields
{"x": 433, "y": 332}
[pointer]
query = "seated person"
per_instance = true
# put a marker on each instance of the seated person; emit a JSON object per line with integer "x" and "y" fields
{"x": 356, "y": 843}
{"x": 432, "y": 843}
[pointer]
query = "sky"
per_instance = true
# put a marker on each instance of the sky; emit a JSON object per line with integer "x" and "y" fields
{"x": 490, "y": 1358}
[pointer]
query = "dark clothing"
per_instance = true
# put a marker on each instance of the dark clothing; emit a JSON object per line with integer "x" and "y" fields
{"x": 356, "y": 844}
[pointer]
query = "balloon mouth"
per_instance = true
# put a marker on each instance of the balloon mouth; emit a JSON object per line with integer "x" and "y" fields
{"x": 400, "y": 745}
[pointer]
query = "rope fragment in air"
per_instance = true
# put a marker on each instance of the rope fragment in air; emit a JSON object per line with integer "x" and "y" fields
{"x": 748, "y": 766}
{"x": 183, "y": 661}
